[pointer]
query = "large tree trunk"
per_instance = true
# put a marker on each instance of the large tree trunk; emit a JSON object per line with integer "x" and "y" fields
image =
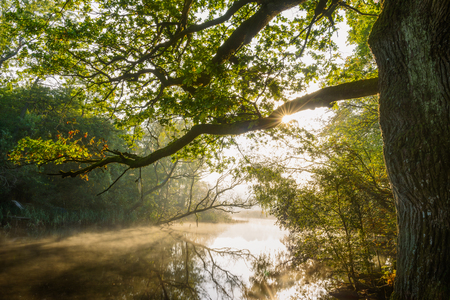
{"x": 411, "y": 43}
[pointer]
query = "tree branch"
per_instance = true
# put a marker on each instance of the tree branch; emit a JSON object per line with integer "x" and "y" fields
{"x": 196, "y": 28}
{"x": 250, "y": 28}
{"x": 115, "y": 181}
{"x": 162, "y": 183}
{"x": 156, "y": 187}
{"x": 240, "y": 37}
{"x": 12, "y": 53}
{"x": 322, "y": 98}
{"x": 211, "y": 200}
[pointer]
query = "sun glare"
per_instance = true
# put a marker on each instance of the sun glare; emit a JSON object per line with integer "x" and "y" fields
{"x": 287, "y": 118}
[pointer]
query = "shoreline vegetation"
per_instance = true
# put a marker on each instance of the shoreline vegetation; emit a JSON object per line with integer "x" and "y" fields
{"x": 33, "y": 221}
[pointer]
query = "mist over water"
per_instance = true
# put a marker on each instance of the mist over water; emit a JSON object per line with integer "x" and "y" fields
{"x": 211, "y": 261}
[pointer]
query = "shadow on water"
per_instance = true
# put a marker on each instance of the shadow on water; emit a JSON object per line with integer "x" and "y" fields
{"x": 139, "y": 263}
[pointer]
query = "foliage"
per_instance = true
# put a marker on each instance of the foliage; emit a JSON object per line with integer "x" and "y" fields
{"x": 344, "y": 214}
{"x": 168, "y": 61}
{"x": 39, "y": 115}
{"x": 389, "y": 276}
{"x": 40, "y": 151}
{"x": 35, "y": 118}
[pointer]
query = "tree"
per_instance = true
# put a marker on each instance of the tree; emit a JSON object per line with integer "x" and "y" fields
{"x": 342, "y": 214}
{"x": 414, "y": 118}
{"x": 220, "y": 65}
{"x": 44, "y": 114}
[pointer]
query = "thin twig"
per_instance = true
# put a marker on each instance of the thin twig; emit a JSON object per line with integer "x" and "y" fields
{"x": 117, "y": 179}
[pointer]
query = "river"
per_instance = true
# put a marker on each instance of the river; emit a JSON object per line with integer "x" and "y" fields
{"x": 184, "y": 261}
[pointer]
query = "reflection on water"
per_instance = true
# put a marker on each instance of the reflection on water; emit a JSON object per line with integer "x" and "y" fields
{"x": 211, "y": 261}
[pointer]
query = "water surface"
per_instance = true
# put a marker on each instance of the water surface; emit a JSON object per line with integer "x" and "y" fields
{"x": 211, "y": 261}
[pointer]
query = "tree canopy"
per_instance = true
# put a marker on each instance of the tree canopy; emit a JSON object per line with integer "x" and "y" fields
{"x": 223, "y": 68}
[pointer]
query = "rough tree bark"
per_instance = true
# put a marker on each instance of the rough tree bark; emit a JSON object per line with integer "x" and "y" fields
{"x": 411, "y": 43}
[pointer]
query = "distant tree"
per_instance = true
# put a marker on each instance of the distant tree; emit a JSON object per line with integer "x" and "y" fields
{"x": 43, "y": 114}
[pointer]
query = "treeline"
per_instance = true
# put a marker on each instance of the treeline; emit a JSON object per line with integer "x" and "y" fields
{"x": 168, "y": 191}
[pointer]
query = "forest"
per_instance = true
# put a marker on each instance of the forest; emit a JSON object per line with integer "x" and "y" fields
{"x": 117, "y": 112}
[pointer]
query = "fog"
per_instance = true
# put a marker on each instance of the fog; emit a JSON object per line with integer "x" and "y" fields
{"x": 211, "y": 261}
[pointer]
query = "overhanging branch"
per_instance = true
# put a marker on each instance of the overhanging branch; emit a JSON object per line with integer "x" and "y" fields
{"x": 322, "y": 98}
